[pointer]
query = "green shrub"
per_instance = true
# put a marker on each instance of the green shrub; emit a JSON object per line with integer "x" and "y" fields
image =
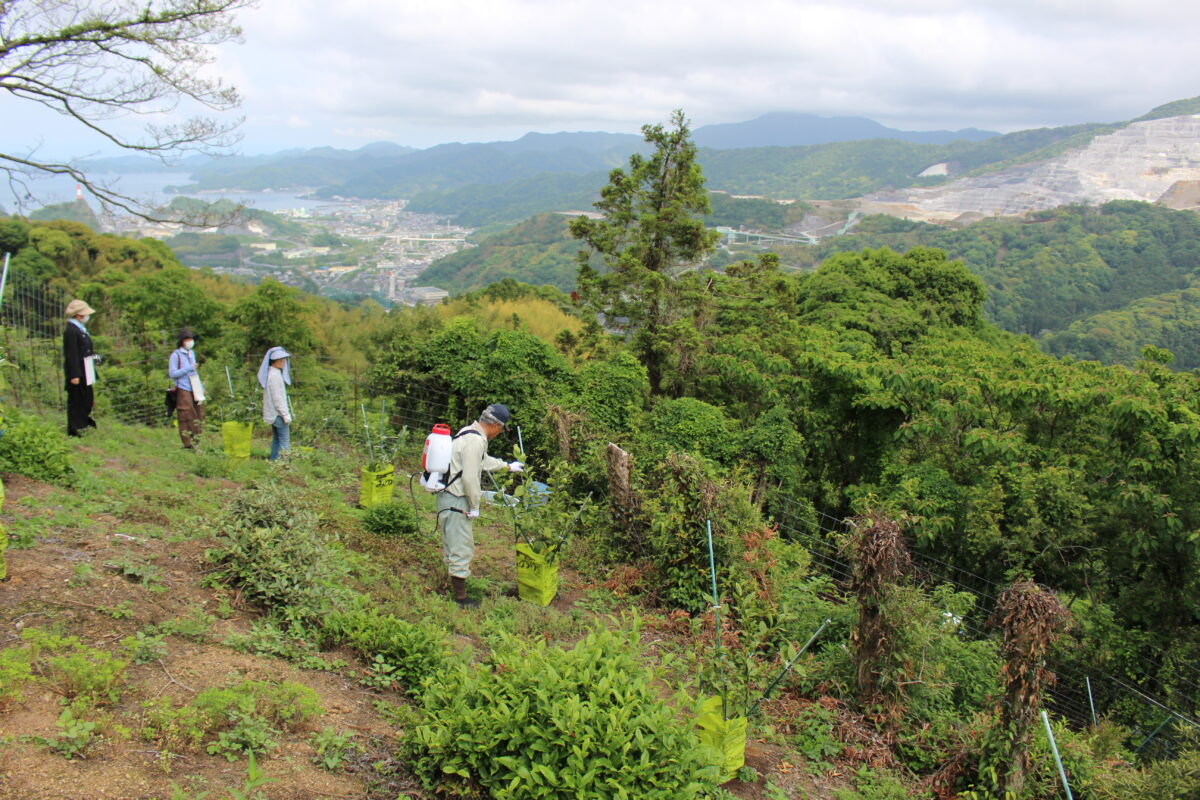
{"x": 273, "y": 552}
{"x": 15, "y": 672}
{"x": 332, "y": 748}
{"x": 681, "y": 494}
{"x": 75, "y": 735}
{"x": 143, "y": 648}
{"x": 1170, "y": 779}
{"x": 392, "y": 519}
{"x": 265, "y": 639}
{"x": 540, "y": 721}
{"x": 244, "y": 718}
{"x": 194, "y": 626}
{"x": 34, "y": 449}
{"x": 74, "y": 669}
{"x": 690, "y": 425}
{"x": 411, "y": 652}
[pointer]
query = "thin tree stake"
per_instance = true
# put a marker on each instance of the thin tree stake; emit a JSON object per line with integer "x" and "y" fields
{"x": 1062, "y": 773}
{"x": 786, "y": 668}
{"x": 712, "y": 568}
{"x": 229, "y": 380}
{"x": 1091, "y": 702}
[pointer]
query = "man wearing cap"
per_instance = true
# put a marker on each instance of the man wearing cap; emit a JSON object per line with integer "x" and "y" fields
{"x": 458, "y": 505}
{"x": 79, "y": 366}
{"x": 189, "y": 391}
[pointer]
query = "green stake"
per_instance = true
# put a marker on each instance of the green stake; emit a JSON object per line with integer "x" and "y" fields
{"x": 787, "y": 667}
{"x": 1062, "y": 773}
{"x": 712, "y": 568}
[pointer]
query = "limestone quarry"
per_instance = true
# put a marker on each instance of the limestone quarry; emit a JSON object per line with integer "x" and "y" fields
{"x": 1152, "y": 161}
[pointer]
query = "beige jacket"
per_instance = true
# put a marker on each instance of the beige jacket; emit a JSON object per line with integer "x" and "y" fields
{"x": 469, "y": 455}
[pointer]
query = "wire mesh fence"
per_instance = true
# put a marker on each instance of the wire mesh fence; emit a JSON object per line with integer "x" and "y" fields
{"x": 1082, "y": 693}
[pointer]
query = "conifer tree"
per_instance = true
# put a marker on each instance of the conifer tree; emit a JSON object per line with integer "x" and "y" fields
{"x": 652, "y": 227}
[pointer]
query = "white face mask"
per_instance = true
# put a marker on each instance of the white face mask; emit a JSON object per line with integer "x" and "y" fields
{"x": 85, "y": 319}
{"x": 189, "y": 344}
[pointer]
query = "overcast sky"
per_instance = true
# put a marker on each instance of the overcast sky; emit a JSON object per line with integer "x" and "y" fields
{"x": 421, "y": 72}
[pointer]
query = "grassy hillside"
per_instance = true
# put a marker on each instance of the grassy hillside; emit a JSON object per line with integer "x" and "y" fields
{"x": 185, "y": 673}
{"x": 815, "y": 435}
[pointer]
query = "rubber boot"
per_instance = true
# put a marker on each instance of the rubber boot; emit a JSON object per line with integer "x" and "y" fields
{"x": 459, "y": 586}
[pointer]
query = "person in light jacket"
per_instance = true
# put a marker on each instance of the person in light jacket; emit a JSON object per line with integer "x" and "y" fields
{"x": 275, "y": 375}
{"x": 79, "y": 367}
{"x": 458, "y": 503}
{"x": 189, "y": 391}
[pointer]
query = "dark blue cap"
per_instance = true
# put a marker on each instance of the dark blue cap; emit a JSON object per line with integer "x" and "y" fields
{"x": 496, "y": 412}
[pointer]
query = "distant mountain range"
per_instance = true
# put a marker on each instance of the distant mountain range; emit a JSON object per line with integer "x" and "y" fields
{"x": 780, "y": 155}
{"x": 384, "y": 169}
{"x": 791, "y": 129}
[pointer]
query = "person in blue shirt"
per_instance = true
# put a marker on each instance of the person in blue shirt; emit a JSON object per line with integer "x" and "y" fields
{"x": 79, "y": 367}
{"x": 189, "y": 391}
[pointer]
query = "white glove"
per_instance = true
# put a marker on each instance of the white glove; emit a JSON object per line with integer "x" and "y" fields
{"x": 473, "y": 513}
{"x": 516, "y": 466}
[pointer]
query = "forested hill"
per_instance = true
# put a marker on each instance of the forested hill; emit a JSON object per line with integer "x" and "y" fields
{"x": 508, "y": 181}
{"x": 1059, "y": 269}
{"x": 810, "y": 172}
{"x": 1094, "y": 283}
{"x": 539, "y": 251}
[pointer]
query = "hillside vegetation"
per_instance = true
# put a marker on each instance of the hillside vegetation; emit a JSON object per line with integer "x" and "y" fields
{"x": 1056, "y": 270}
{"x": 537, "y": 251}
{"x": 855, "y": 458}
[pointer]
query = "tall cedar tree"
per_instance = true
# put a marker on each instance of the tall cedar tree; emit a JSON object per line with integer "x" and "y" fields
{"x": 652, "y": 225}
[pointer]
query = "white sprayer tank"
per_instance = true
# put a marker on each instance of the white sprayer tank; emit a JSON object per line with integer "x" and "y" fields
{"x": 435, "y": 460}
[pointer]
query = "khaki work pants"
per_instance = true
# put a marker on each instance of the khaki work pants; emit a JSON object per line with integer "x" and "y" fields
{"x": 191, "y": 414}
{"x": 458, "y": 538}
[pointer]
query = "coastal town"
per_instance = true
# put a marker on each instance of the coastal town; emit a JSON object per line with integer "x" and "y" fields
{"x": 344, "y": 248}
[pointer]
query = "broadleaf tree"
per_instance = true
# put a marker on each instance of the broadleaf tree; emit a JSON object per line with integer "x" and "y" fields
{"x": 651, "y": 227}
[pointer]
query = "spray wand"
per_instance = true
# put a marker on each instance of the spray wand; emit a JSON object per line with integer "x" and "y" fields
{"x": 511, "y": 508}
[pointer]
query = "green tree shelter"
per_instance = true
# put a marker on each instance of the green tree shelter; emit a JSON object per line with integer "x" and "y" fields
{"x": 652, "y": 227}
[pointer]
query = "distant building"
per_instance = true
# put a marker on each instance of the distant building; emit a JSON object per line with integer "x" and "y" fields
{"x": 425, "y": 295}
{"x": 265, "y": 247}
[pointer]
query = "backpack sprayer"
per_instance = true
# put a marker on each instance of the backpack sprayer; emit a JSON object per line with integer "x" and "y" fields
{"x": 435, "y": 458}
{"x": 435, "y": 463}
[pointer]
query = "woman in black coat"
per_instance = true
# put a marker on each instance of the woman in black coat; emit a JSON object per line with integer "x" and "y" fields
{"x": 77, "y": 353}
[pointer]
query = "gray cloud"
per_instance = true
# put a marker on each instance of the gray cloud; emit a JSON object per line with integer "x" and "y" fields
{"x": 315, "y": 72}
